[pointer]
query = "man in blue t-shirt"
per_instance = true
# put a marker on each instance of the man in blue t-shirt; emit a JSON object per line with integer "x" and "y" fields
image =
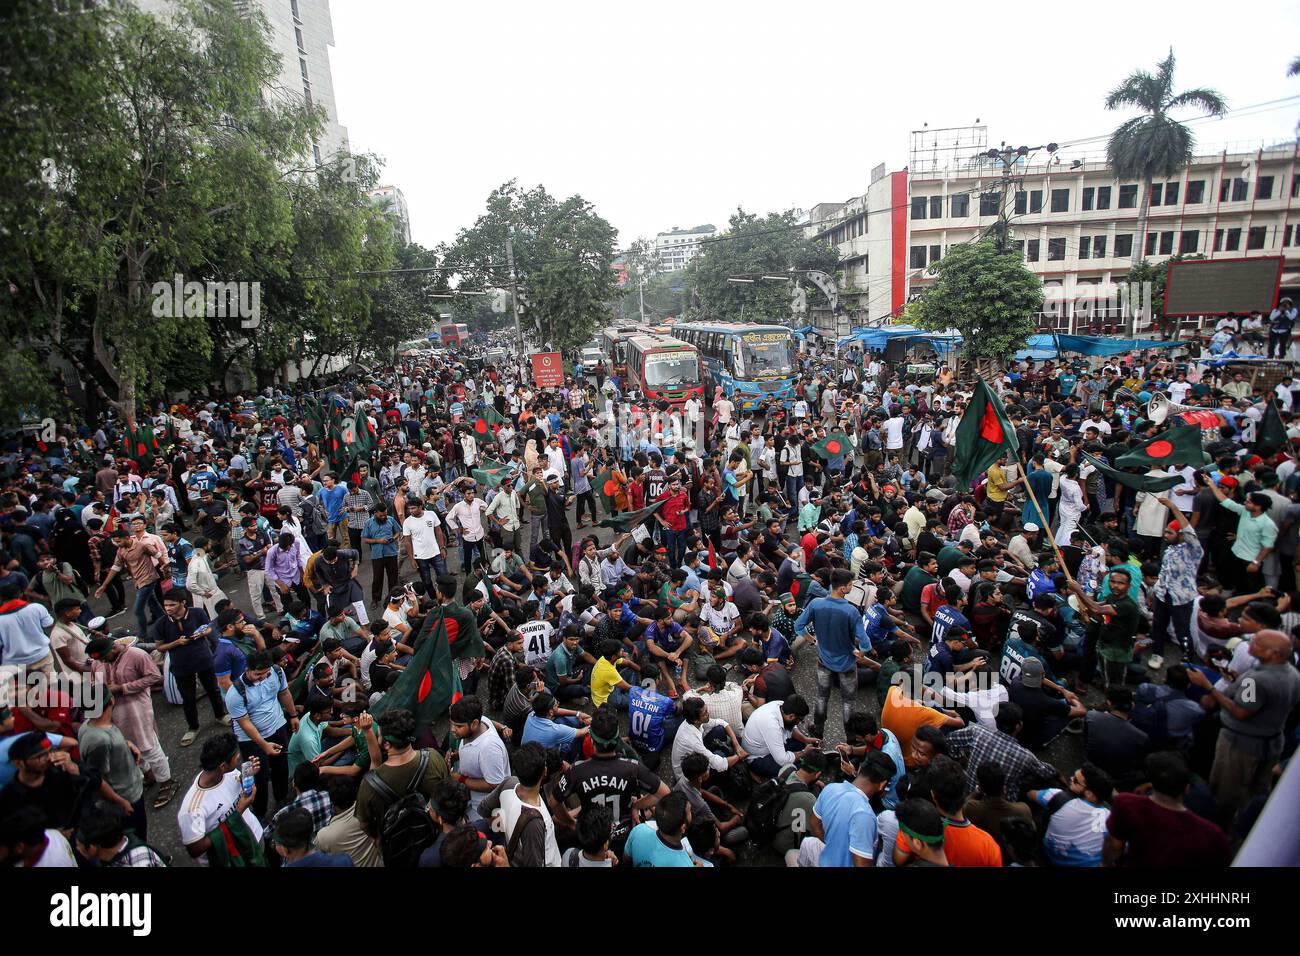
{"x": 260, "y": 705}
{"x": 842, "y": 816}
{"x": 651, "y": 720}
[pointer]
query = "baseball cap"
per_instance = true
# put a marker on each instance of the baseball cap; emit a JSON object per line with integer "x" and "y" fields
{"x": 1031, "y": 672}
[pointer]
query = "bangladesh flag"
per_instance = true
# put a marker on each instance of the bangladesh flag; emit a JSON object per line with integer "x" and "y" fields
{"x": 139, "y": 444}
{"x": 482, "y": 426}
{"x": 430, "y": 683}
{"x": 1149, "y": 483}
{"x": 607, "y": 490}
{"x": 836, "y": 443}
{"x": 984, "y": 435}
{"x": 314, "y": 419}
{"x": 1179, "y": 445}
{"x": 630, "y": 519}
{"x": 491, "y": 473}
{"x": 1270, "y": 435}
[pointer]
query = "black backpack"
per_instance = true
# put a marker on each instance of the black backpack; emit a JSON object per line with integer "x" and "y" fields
{"x": 765, "y": 806}
{"x": 1151, "y": 711}
{"x": 407, "y": 829}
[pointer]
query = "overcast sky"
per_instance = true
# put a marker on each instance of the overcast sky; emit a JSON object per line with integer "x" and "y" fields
{"x": 674, "y": 113}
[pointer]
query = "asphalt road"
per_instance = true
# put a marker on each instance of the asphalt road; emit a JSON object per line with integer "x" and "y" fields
{"x": 1065, "y": 752}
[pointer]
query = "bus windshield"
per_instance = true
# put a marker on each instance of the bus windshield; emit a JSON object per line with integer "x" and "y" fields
{"x": 766, "y": 353}
{"x": 671, "y": 368}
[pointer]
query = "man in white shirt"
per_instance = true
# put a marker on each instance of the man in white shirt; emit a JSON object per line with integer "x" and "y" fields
{"x": 466, "y": 518}
{"x": 695, "y": 726}
{"x": 767, "y": 732}
{"x": 422, "y": 532}
{"x": 217, "y": 791}
{"x": 893, "y": 429}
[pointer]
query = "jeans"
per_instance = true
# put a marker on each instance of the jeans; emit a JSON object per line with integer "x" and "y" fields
{"x": 675, "y": 542}
{"x": 190, "y": 697}
{"x": 848, "y": 681}
{"x": 792, "y": 485}
{"x": 274, "y": 770}
{"x": 428, "y": 567}
{"x": 587, "y": 500}
{"x": 1279, "y": 340}
{"x": 470, "y": 548}
{"x": 381, "y": 568}
{"x": 146, "y": 597}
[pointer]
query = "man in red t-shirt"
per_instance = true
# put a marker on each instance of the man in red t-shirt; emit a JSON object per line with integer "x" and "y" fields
{"x": 672, "y": 518}
{"x": 1158, "y": 830}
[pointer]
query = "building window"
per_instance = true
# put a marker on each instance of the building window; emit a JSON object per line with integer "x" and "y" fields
{"x": 1195, "y": 192}
{"x": 1286, "y": 236}
{"x": 1189, "y": 241}
{"x": 1085, "y": 247}
{"x": 293, "y": 5}
{"x": 1103, "y": 197}
{"x": 302, "y": 47}
{"x": 1055, "y": 250}
{"x": 990, "y": 204}
{"x": 1233, "y": 242}
{"x": 916, "y": 257}
{"x": 316, "y": 152}
{"x": 1295, "y": 187}
{"x": 959, "y": 206}
{"x": 1099, "y": 247}
{"x": 1128, "y": 197}
{"x": 1020, "y": 248}
{"x": 919, "y": 206}
{"x": 302, "y": 68}
{"x": 1060, "y": 200}
{"x": 1087, "y": 197}
{"x": 1167, "y": 243}
{"x": 1264, "y": 188}
{"x": 1218, "y": 240}
{"x": 1031, "y": 253}
{"x": 1022, "y": 202}
{"x": 1255, "y": 238}
{"x": 1157, "y": 193}
{"x": 1152, "y": 239}
{"x": 1237, "y": 188}
{"x": 1124, "y": 246}
{"x": 936, "y": 207}
{"x": 935, "y": 254}
{"x": 1035, "y": 200}
{"x": 1171, "y": 194}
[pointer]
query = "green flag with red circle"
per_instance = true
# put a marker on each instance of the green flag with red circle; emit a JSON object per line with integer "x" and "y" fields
{"x": 1176, "y": 446}
{"x": 834, "y": 445}
{"x": 984, "y": 435}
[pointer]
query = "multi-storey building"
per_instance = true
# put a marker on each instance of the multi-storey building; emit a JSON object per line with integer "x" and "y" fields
{"x": 391, "y": 200}
{"x": 1074, "y": 223}
{"x": 677, "y": 247}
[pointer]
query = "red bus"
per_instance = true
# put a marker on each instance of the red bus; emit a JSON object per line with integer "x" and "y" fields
{"x": 613, "y": 344}
{"x": 663, "y": 368}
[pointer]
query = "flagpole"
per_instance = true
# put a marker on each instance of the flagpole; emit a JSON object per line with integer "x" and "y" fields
{"x": 1047, "y": 529}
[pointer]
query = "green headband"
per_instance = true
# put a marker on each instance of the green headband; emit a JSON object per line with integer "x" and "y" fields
{"x": 934, "y": 839}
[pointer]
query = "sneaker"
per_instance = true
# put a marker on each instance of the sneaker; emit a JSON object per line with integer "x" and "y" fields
{"x": 189, "y": 738}
{"x": 1075, "y": 726}
{"x": 1155, "y": 662}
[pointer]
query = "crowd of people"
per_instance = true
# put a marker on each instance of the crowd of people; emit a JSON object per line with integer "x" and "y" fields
{"x": 1042, "y": 667}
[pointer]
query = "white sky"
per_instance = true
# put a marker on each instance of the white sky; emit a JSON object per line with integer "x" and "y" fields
{"x": 673, "y": 113}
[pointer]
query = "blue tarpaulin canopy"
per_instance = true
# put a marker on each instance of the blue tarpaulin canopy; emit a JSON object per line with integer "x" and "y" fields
{"x": 877, "y": 338}
{"x": 1105, "y": 345}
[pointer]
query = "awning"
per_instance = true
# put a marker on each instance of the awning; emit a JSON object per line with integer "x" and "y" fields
{"x": 1105, "y": 345}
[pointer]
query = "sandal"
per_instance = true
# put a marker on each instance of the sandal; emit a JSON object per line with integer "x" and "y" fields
{"x": 165, "y": 793}
{"x": 189, "y": 738}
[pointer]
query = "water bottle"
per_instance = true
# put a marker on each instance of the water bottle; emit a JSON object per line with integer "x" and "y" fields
{"x": 246, "y": 777}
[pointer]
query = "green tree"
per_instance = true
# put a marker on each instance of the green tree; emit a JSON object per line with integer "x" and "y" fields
{"x": 142, "y": 149}
{"x": 1154, "y": 143}
{"x": 751, "y": 248}
{"x": 990, "y": 297}
{"x": 564, "y": 255}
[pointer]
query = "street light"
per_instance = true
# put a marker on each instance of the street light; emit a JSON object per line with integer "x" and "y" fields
{"x": 735, "y": 279}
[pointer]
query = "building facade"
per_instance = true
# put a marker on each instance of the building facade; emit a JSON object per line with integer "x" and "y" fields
{"x": 1075, "y": 225}
{"x": 391, "y": 200}
{"x": 676, "y": 247}
{"x": 301, "y": 32}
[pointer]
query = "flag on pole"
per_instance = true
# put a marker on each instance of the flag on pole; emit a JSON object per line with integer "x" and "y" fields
{"x": 139, "y": 444}
{"x": 1149, "y": 483}
{"x": 1270, "y": 434}
{"x": 1179, "y": 445}
{"x": 491, "y": 473}
{"x": 834, "y": 444}
{"x": 984, "y": 436}
{"x": 482, "y": 426}
{"x": 431, "y": 683}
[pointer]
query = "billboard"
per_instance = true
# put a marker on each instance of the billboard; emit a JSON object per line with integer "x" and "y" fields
{"x": 1219, "y": 286}
{"x": 548, "y": 369}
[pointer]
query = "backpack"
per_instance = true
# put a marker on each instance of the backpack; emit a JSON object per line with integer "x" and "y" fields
{"x": 407, "y": 829}
{"x": 1151, "y": 711}
{"x": 766, "y": 804}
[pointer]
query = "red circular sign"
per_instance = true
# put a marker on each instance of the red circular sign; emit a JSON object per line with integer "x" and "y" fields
{"x": 1159, "y": 449}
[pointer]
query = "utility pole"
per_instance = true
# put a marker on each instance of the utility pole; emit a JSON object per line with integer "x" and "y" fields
{"x": 514, "y": 294}
{"x": 641, "y": 294}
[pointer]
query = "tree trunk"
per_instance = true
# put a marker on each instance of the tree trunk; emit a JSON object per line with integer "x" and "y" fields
{"x": 1140, "y": 240}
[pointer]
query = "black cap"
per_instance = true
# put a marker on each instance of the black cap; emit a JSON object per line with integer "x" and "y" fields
{"x": 28, "y": 746}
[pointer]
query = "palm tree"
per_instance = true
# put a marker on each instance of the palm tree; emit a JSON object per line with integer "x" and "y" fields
{"x": 1154, "y": 144}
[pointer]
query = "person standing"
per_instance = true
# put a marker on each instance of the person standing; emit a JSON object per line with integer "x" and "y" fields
{"x": 104, "y": 748}
{"x": 144, "y": 556}
{"x": 1175, "y": 592}
{"x": 131, "y": 677}
{"x": 382, "y": 533}
{"x": 251, "y": 550}
{"x": 839, "y": 630}
{"x": 1256, "y": 535}
{"x": 182, "y": 635}
{"x": 466, "y": 517}
{"x": 504, "y": 509}
{"x": 1281, "y": 325}
{"x": 263, "y": 716}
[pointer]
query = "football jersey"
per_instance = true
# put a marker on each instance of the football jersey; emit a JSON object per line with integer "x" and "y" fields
{"x": 647, "y": 711}
{"x": 879, "y": 625}
{"x": 945, "y": 619}
{"x": 610, "y": 782}
{"x": 537, "y": 642}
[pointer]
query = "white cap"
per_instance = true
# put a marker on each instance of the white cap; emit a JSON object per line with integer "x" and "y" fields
{"x": 1031, "y": 526}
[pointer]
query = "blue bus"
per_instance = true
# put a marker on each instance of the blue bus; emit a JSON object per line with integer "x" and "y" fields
{"x": 749, "y": 361}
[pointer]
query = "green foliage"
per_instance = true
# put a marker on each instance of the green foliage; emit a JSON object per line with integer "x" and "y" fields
{"x": 564, "y": 254}
{"x": 988, "y": 296}
{"x": 753, "y": 247}
{"x": 143, "y": 149}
